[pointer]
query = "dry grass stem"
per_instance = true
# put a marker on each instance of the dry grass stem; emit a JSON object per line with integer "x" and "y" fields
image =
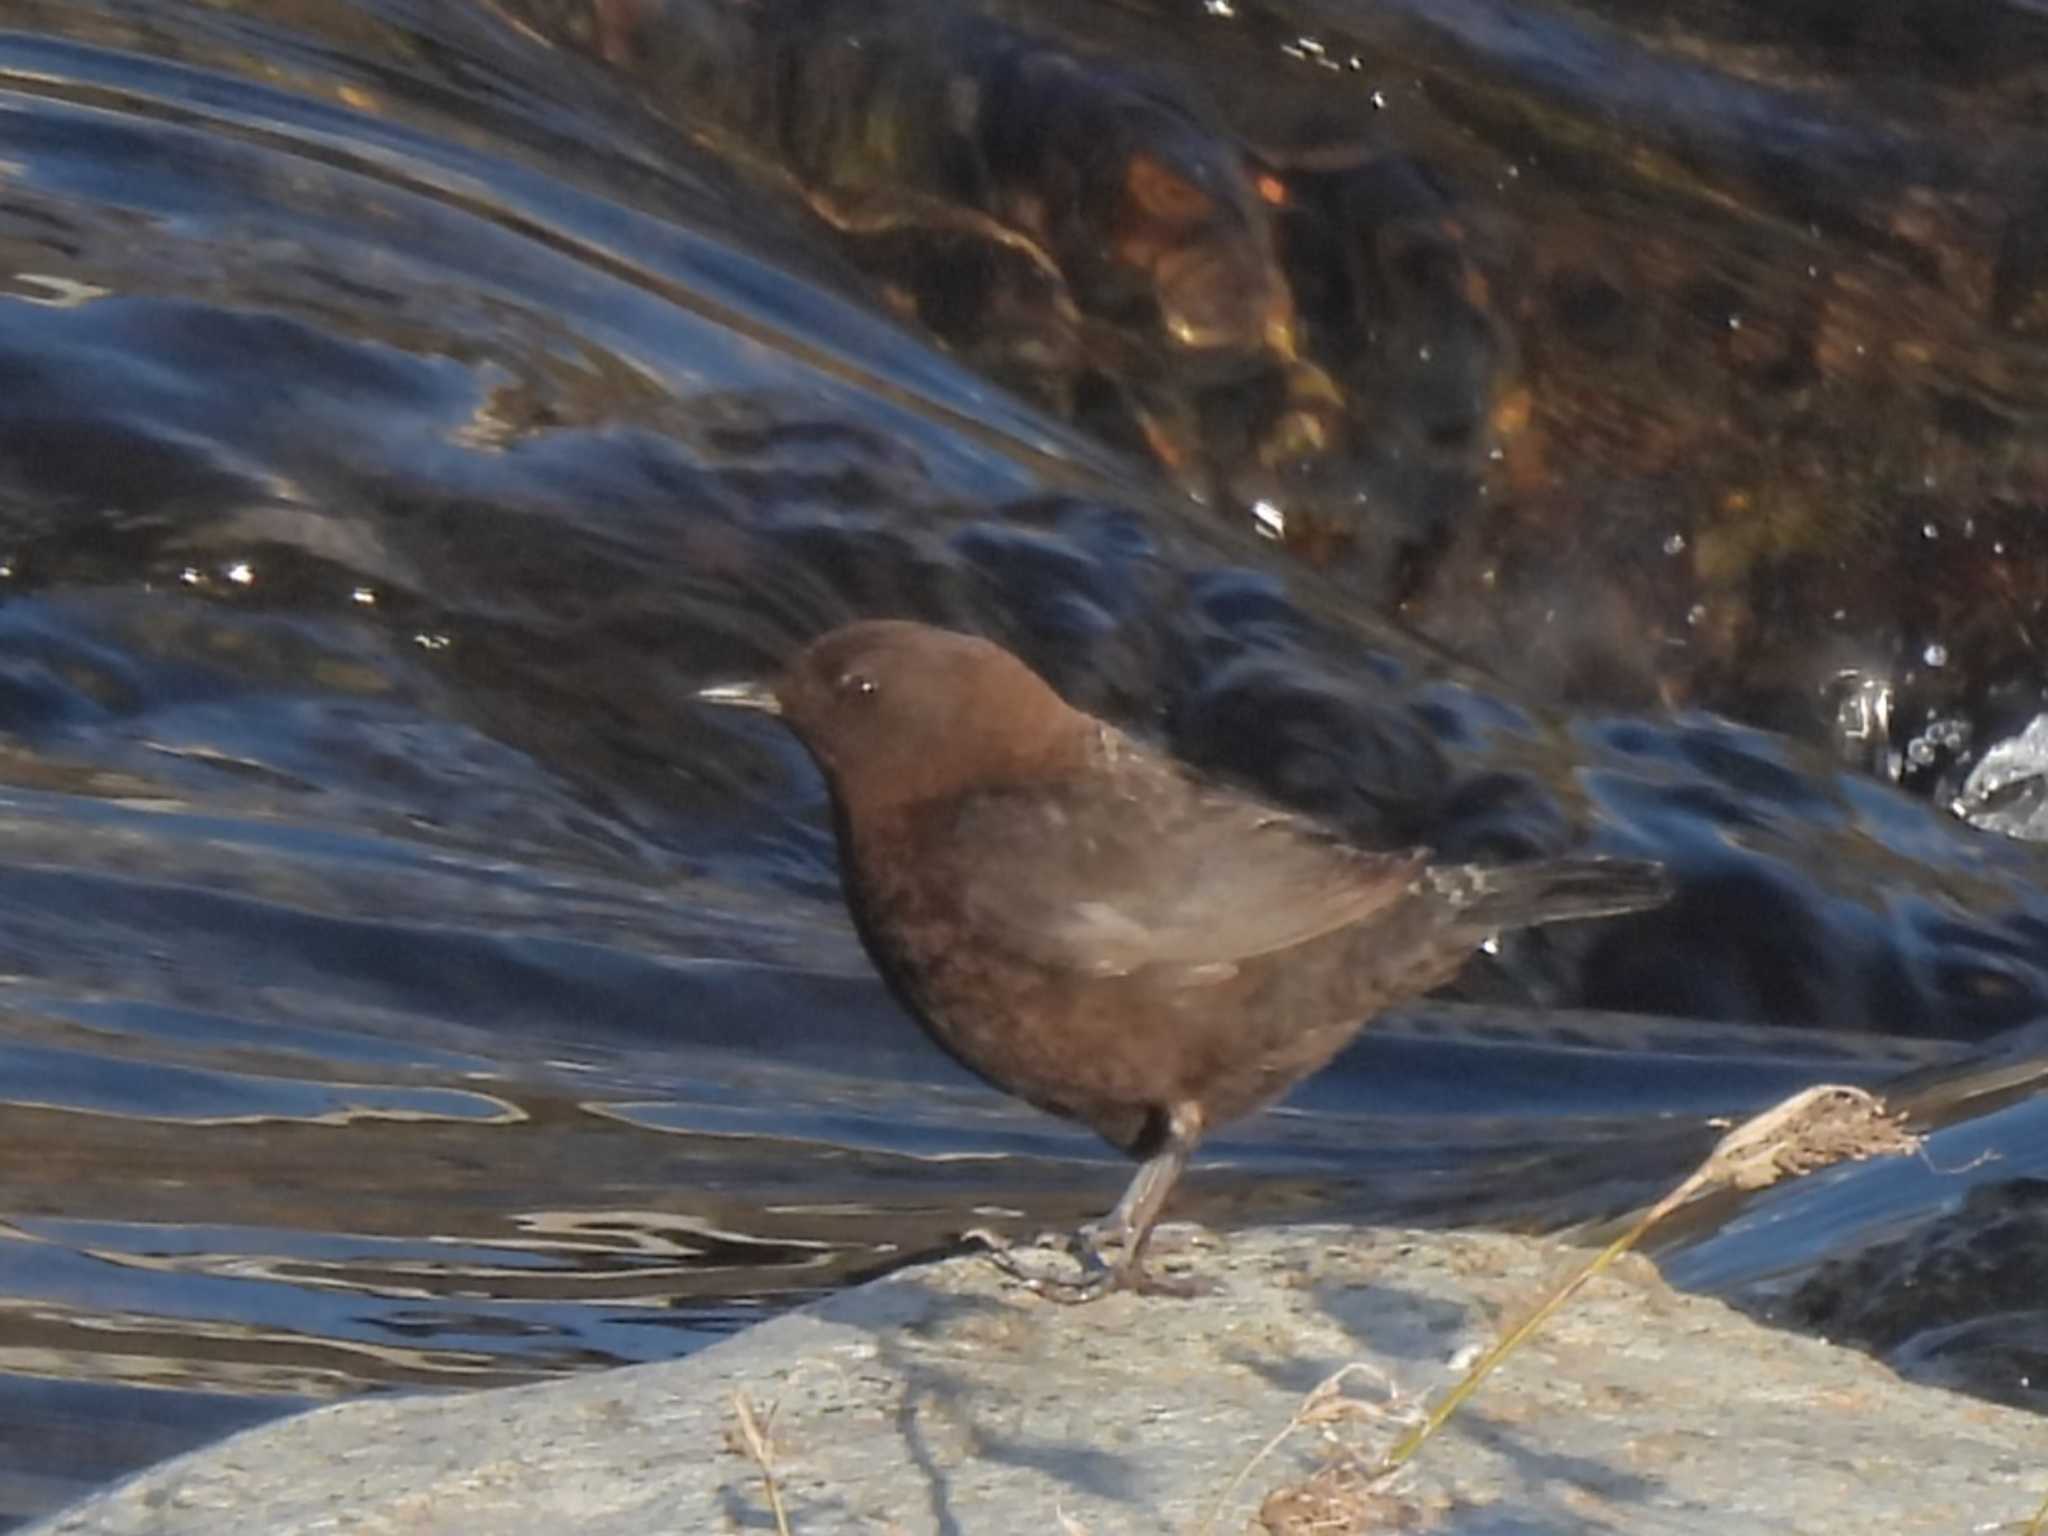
{"x": 1325, "y": 1404}
{"x": 1812, "y": 1129}
{"x": 754, "y": 1436}
{"x": 1343, "y": 1499}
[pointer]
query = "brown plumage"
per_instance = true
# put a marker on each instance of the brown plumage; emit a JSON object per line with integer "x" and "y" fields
{"x": 1094, "y": 928}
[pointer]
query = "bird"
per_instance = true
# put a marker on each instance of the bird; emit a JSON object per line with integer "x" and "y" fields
{"x": 1098, "y": 929}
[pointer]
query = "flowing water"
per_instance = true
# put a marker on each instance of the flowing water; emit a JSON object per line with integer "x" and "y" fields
{"x": 403, "y": 984}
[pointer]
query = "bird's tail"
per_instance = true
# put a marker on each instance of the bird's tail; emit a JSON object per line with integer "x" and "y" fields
{"x": 1496, "y": 897}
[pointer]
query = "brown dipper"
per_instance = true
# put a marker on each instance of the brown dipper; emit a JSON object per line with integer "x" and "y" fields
{"x": 1092, "y": 927}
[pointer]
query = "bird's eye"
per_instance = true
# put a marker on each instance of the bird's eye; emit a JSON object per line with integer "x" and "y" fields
{"x": 856, "y": 685}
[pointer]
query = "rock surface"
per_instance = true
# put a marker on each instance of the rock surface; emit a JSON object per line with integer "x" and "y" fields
{"x": 946, "y": 1399}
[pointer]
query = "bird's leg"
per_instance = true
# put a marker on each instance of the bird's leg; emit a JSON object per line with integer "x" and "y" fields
{"x": 1127, "y": 1228}
{"x": 1129, "y": 1225}
{"x": 1133, "y": 1219}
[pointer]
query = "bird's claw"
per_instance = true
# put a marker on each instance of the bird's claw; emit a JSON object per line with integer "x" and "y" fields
{"x": 1098, "y": 1276}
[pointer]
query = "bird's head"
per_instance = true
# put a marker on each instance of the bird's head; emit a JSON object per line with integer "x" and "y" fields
{"x": 896, "y": 712}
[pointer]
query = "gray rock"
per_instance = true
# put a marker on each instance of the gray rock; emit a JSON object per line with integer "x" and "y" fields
{"x": 948, "y": 1400}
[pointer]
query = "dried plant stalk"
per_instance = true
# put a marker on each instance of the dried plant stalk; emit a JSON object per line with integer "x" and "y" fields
{"x": 754, "y": 1435}
{"x": 1812, "y": 1129}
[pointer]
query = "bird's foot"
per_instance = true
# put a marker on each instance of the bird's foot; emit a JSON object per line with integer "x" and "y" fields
{"x": 1128, "y": 1266}
{"x": 1098, "y": 1276}
{"x": 1140, "y": 1280}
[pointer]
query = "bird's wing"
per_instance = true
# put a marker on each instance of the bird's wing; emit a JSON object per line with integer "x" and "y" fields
{"x": 1147, "y": 866}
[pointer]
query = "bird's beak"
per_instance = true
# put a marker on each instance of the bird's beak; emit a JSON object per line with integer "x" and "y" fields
{"x": 742, "y": 696}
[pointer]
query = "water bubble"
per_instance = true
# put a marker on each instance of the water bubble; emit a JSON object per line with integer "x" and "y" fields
{"x": 1920, "y": 750}
{"x": 1929, "y": 531}
{"x": 1270, "y": 520}
{"x": 1696, "y": 614}
{"x": 1674, "y": 544}
{"x": 241, "y": 573}
{"x": 367, "y": 596}
{"x": 1936, "y": 654}
{"x": 1379, "y": 101}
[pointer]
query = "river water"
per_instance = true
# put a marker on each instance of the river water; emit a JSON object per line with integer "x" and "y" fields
{"x": 403, "y": 984}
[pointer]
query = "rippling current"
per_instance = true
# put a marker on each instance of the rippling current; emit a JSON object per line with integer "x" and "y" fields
{"x": 404, "y": 985}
